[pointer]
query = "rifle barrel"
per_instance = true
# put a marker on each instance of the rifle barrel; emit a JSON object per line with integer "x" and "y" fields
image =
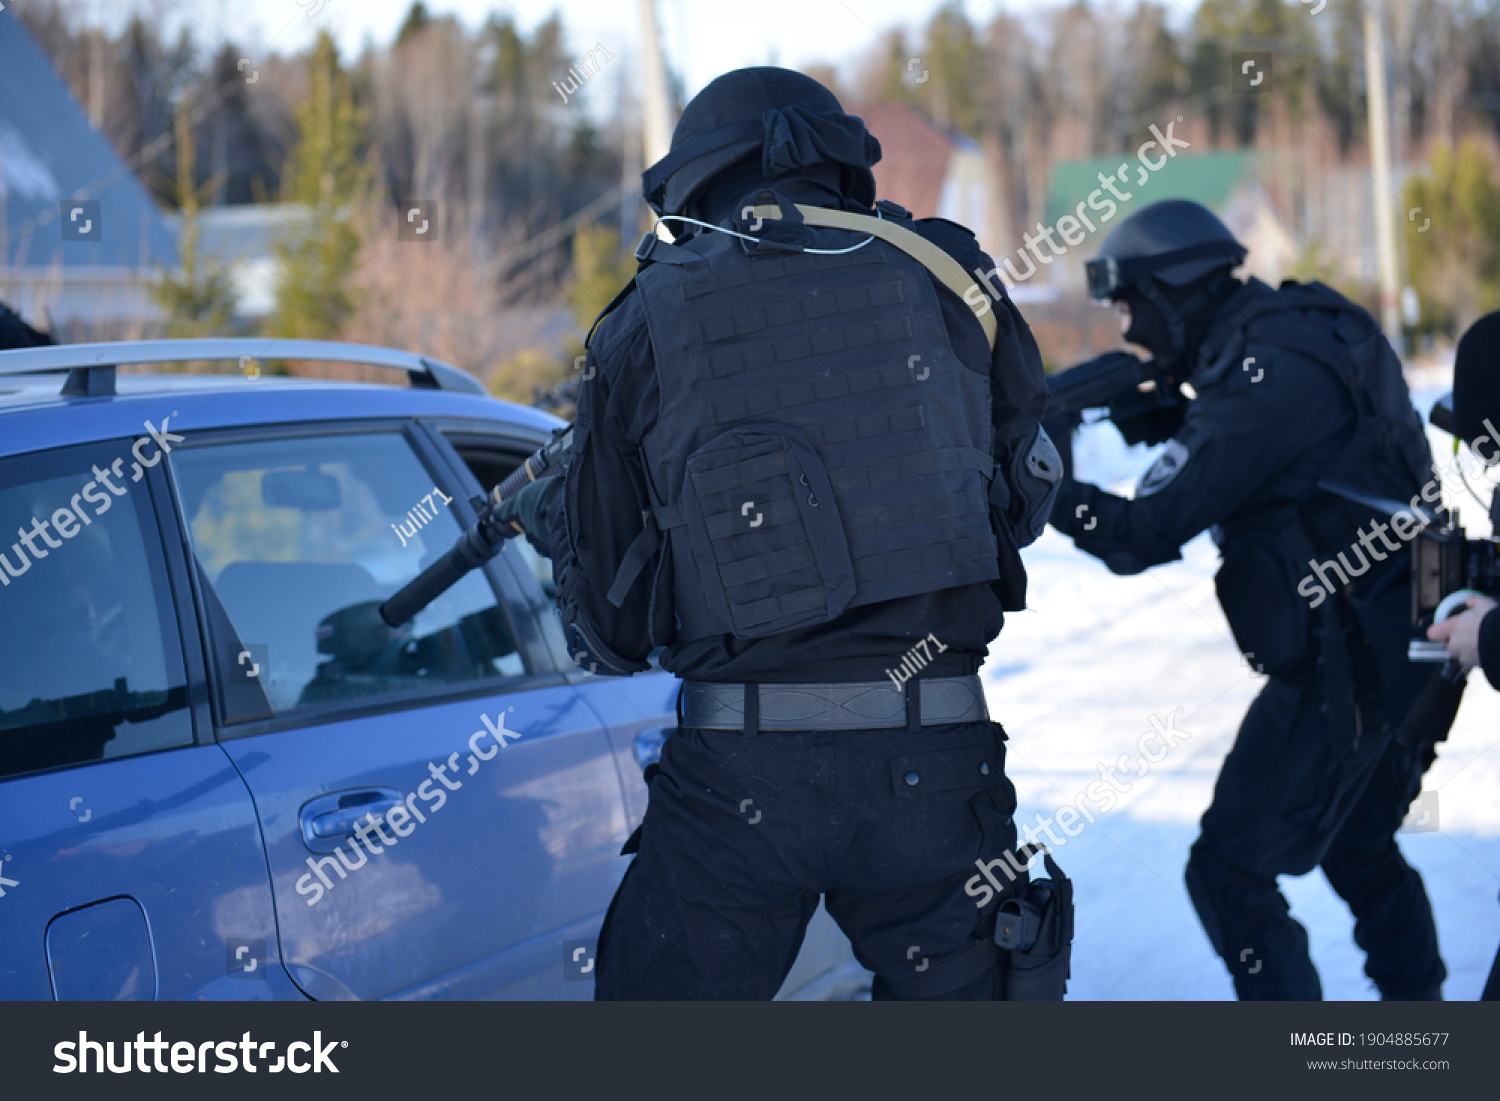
{"x": 484, "y": 540}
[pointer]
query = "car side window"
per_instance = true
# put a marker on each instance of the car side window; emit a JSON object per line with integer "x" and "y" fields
{"x": 491, "y": 464}
{"x": 91, "y": 663}
{"x": 301, "y": 540}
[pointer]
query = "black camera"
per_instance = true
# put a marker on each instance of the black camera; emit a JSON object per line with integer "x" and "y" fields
{"x": 1445, "y": 561}
{"x": 1446, "y": 565}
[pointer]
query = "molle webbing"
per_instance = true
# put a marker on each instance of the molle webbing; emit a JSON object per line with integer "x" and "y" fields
{"x": 757, "y": 403}
{"x": 944, "y": 268}
{"x": 768, "y": 268}
{"x": 864, "y": 521}
{"x": 918, "y": 464}
{"x": 757, "y": 319}
{"x": 818, "y": 446}
{"x": 870, "y": 426}
{"x": 875, "y": 472}
{"x": 792, "y": 349}
{"x": 936, "y": 555}
{"x": 945, "y": 555}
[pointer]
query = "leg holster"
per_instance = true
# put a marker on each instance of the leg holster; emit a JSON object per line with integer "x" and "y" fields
{"x": 1036, "y": 930}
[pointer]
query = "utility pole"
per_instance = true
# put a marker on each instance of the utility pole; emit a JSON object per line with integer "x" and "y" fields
{"x": 480, "y": 104}
{"x": 1380, "y": 158}
{"x": 656, "y": 111}
{"x": 631, "y": 207}
{"x": 1401, "y": 31}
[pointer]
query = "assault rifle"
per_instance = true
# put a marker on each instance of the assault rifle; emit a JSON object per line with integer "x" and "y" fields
{"x": 1144, "y": 402}
{"x": 485, "y": 539}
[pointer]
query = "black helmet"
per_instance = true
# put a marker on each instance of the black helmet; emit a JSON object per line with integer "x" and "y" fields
{"x": 1174, "y": 241}
{"x": 789, "y": 118}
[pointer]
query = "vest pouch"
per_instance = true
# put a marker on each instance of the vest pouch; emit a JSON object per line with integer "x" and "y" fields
{"x": 765, "y": 535}
{"x": 1257, "y": 588}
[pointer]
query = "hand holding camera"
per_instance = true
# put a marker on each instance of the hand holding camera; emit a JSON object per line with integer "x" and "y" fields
{"x": 1460, "y": 633}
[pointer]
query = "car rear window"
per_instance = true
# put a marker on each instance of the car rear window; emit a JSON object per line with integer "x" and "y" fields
{"x": 301, "y": 540}
{"x": 90, "y": 659}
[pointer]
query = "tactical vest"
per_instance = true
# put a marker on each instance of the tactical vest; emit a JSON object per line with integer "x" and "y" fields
{"x": 1388, "y": 455}
{"x": 819, "y": 446}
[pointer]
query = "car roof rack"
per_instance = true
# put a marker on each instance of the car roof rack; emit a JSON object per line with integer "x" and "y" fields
{"x": 91, "y": 367}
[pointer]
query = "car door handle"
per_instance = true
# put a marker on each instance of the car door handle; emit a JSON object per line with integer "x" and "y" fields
{"x": 341, "y": 823}
{"x": 330, "y": 819}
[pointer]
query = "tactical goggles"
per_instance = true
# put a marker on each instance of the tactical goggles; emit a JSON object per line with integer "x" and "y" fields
{"x": 1110, "y": 276}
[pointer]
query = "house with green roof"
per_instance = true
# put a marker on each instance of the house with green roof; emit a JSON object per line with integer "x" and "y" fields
{"x": 1079, "y": 191}
{"x": 1207, "y": 178}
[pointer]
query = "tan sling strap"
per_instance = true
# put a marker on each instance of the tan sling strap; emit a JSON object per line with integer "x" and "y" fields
{"x": 947, "y": 270}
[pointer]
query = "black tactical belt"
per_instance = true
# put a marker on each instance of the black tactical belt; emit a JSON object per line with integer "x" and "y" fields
{"x": 859, "y": 705}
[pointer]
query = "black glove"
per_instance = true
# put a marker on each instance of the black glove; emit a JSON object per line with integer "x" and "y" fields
{"x": 531, "y": 509}
{"x": 1065, "y": 506}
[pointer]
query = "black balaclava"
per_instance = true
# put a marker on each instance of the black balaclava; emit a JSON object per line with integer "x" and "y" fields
{"x": 1170, "y": 322}
{"x": 818, "y": 184}
{"x": 1476, "y": 378}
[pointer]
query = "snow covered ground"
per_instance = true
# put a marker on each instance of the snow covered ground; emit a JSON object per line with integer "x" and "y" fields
{"x": 1076, "y": 679}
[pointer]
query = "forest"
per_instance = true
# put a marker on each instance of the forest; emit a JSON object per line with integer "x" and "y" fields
{"x": 530, "y": 187}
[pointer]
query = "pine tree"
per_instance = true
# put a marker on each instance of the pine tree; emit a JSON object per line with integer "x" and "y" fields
{"x": 417, "y": 18}
{"x": 328, "y": 176}
{"x": 199, "y": 298}
{"x": 956, "y": 59}
{"x": 600, "y": 269}
{"x": 1453, "y": 236}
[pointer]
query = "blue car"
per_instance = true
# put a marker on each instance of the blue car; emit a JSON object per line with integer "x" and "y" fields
{"x": 221, "y": 775}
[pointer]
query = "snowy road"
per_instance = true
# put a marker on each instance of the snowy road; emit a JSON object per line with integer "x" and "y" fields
{"x": 1076, "y": 680}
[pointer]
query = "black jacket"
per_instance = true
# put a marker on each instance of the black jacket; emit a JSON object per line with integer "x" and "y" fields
{"x": 1270, "y": 423}
{"x": 1245, "y": 445}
